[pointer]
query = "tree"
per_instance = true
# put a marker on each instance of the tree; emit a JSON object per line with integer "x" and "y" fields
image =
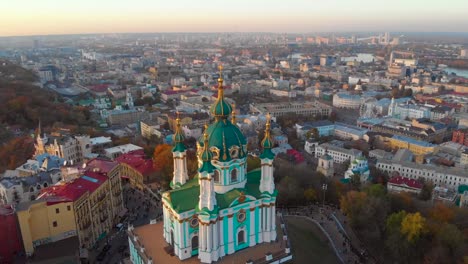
{"x": 441, "y": 213}
{"x": 352, "y": 204}
{"x": 310, "y": 195}
{"x": 413, "y": 226}
{"x": 313, "y": 133}
{"x": 393, "y": 223}
{"x": 451, "y": 237}
{"x": 408, "y": 93}
{"x": 163, "y": 164}
{"x": 376, "y": 190}
{"x": 356, "y": 181}
{"x": 426, "y": 191}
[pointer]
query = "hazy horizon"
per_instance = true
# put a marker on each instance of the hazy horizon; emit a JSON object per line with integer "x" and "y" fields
{"x": 53, "y": 17}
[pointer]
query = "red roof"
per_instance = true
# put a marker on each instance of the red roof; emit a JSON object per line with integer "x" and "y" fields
{"x": 99, "y": 87}
{"x": 71, "y": 191}
{"x": 137, "y": 160}
{"x": 101, "y": 165}
{"x": 400, "y": 180}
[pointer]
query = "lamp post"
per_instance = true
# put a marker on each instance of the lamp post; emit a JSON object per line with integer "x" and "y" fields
{"x": 324, "y": 188}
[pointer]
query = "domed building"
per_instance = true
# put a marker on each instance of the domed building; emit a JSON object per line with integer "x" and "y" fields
{"x": 224, "y": 208}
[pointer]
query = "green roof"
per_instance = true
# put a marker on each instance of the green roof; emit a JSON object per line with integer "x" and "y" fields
{"x": 222, "y": 134}
{"x": 178, "y": 147}
{"x": 186, "y": 197}
{"x": 462, "y": 188}
{"x": 206, "y": 167}
{"x": 267, "y": 154}
{"x": 221, "y": 108}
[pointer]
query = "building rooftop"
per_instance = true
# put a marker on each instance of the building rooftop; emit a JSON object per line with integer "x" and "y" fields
{"x": 399, "y": 180}
{"x": 101, "y": 165}
{"x": 151, "y": 237}
{"x": 100, "y": 140}
{"x": 71, "y": 191}
{"x": 123, "y": 148}
{"x": 427, "y": 167}
{"x": 414, "y": 141}
{"x": 137, "y": 161}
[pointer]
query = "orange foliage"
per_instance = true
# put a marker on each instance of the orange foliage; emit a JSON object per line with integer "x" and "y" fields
{"x": 15, "y": 152}
{"x": 162, "y": 158}
{"x": 441, "y": 213}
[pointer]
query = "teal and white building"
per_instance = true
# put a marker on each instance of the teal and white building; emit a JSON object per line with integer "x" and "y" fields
{"x": 360, "y": 167}
{"x": 223, "y": 208}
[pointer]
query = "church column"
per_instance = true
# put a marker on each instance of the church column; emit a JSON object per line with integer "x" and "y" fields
{"x": 252, "y": 227}
{"x": 209, "y": 237}
{"x": 267, "y": 224}
{"x": 203, "y": 237}
{"x": 221, "y": 237}
{"x": 273, "y": 222}
{"x": 231, "y": 235}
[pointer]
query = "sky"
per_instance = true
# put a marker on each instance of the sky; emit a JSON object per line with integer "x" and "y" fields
{"x": 44, "y": 17}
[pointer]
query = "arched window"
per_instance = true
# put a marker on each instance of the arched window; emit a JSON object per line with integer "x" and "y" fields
{"x": 240, "y": 237}
{"x": 234, "y": 175}
{"x": 216, "y": 176}
{"x": 45, "y": 185}
{"x": 31, "y": 189}
{"x": 194, "y": 242}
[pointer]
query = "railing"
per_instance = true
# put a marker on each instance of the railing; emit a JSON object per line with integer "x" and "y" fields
{"x": 279, "y": 254}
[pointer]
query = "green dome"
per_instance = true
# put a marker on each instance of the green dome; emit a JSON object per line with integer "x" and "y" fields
{"x": 178, "y": 138}
{"x": 225, "y": 136}
{"x": 221, "y": 108}
{"x": 206, "y": 157}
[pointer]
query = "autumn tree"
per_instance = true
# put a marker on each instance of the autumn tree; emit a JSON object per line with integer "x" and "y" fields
{"x": 163, "y": 163}
{"x": 413, "y": 226}
{"x": 352, "y": 204}
{"x": 310, "y": 195}
{"x": 441, "y": 213}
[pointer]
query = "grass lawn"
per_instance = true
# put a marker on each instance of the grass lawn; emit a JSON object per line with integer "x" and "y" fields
{"x": 309, "y": 244}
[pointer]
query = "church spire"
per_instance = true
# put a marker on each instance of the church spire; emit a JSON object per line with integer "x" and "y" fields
{"x": 220, "y": 109}
{"x": 267, "y": 143}
{"x": 206, "y": 156}
{"x": 178, "y": 137}
{"x": 233, "y": 118}
{"x": 39, "y": 129}
{"x": 179, "y": 156}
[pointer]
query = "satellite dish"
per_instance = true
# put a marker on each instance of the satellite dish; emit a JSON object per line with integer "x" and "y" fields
{"x": 65, "y": 163}
{"x": 84, "y": 165}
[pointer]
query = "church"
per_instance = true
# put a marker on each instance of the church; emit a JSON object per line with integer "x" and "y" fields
{"x": 224, "y": 208}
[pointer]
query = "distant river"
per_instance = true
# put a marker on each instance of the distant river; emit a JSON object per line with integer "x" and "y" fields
{"x": 361, "y": 57}
{"x": 458, "y": 72}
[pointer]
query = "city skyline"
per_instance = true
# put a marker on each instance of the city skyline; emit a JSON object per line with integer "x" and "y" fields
{"x": 51, "y": 17}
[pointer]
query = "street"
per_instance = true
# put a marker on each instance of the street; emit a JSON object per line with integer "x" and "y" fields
{"x": 141, "y": 210}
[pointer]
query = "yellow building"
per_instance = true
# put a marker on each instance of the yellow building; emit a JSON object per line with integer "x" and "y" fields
{"x": 45, "y": 221}
{"x": 95, "y": 203}
{"x": 419, "y": 148}
{"x": 137, "y": 169}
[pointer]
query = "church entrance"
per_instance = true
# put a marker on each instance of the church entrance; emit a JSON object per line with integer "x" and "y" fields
{"x": 172, "y": 238}
{"x": 194, "y": 242}
{"x": 241, "y": 237}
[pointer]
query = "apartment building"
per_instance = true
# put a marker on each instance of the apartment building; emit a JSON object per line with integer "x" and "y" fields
{"x": 338, "y": 153}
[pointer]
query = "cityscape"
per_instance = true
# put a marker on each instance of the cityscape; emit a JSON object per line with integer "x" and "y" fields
{"x": 234, "y": 132}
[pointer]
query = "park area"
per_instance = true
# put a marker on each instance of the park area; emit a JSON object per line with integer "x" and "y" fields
{"x": 309, "y": 244}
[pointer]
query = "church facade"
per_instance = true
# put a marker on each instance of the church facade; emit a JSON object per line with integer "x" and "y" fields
{"x": 223, "y": 208}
